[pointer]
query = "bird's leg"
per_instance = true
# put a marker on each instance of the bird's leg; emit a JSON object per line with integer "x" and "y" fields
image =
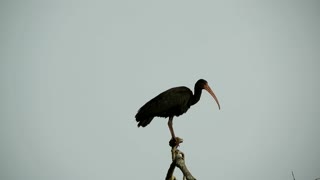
{"x": 176, "y": 139}
{"x": 171, "y": 128}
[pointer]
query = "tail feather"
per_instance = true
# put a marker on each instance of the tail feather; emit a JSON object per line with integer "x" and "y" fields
{"x": 146, "y": 113}
{"x": 144, "y": 121}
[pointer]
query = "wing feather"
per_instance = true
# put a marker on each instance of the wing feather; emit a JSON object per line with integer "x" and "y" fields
{"x": 173, "y": 102}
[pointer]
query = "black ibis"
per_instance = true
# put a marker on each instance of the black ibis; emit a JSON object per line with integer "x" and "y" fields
{"x": 172, "y": 102}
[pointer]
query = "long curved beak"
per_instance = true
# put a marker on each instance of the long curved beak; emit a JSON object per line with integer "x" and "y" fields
{"x": 207, "y": 87}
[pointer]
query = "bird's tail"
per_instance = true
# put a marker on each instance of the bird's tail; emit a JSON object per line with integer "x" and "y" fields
{"x": 143, "y": 121}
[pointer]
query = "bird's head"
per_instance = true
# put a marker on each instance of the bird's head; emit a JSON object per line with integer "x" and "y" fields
{"x": 203, "y": 84}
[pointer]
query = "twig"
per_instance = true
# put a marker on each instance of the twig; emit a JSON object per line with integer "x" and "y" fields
{"x": 293, "y": 175}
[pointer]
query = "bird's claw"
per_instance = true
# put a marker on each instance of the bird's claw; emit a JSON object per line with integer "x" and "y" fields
{"x": 175, "y": 142}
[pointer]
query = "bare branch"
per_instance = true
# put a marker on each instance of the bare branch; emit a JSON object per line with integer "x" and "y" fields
{"x": 178, "y": 159}
{"x": 170, "y": 172}
{"x": 293, "y": 175}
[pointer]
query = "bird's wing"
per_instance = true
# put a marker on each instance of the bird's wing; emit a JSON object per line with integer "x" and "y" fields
{"x": 168, "y": 103}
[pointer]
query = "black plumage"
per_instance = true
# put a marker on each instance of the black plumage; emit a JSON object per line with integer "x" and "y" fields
{"x": 172, "y": 102}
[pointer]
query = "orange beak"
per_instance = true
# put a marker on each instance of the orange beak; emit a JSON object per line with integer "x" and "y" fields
{"x": 207, "y": 87}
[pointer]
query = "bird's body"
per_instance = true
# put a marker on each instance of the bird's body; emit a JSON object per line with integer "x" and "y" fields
{"x": 172, "y": 102}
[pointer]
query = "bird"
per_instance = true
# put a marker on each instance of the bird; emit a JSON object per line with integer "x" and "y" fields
{"x": 172, "y": 102}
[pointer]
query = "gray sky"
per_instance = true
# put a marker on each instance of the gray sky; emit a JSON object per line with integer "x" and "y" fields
{"x": 73, "y": 75}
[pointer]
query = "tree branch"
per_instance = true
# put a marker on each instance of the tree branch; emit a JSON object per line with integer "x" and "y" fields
{"x": 178, "y": 160}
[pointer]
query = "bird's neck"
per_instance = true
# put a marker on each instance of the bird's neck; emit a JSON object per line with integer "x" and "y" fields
{"x": 196, "y": 96}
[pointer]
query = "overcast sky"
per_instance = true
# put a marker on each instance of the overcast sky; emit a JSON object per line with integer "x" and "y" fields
{"x": 73, "y": 75}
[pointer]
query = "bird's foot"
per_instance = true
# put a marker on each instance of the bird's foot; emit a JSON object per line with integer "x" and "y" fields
{"x": 175, "y": 142}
